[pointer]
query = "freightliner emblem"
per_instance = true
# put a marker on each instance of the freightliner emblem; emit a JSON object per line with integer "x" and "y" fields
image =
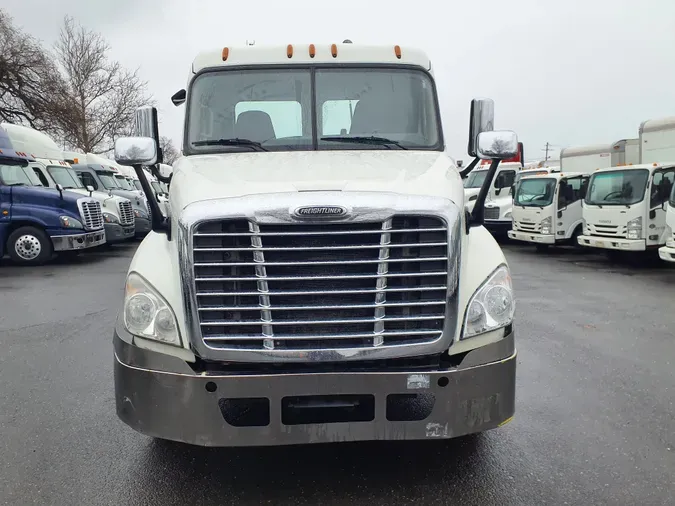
{"x": 320, "y": 211}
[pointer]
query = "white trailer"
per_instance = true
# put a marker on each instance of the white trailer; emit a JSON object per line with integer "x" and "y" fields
{"x": 625, "y": 152}
{"x": 585, "y": 159}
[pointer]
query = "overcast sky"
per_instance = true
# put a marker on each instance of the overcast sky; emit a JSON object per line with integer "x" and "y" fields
{"x": 568, "y": 72}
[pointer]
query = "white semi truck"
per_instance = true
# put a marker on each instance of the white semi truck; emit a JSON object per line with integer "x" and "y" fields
{"x": 624, "y": 209}
{"x": 51, "y": 169}
{"x": 318, "y": 279}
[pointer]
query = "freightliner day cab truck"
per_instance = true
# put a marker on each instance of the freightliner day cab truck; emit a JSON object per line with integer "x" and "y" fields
{"x": 319, "y": 279}
{"x": 624, "y": 209}
{"x": 51, "y": 169}
{"x": 35, "y": 221}
{"x": 96, "y": 171}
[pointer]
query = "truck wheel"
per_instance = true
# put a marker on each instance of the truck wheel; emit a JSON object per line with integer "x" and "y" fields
{"x": 29, "y": 246}
{"x": 575, "y": 238}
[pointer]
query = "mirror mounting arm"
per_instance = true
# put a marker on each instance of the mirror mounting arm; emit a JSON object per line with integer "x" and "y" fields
{"x": 160, "y": 223}
{"x": 469, "y": 167}
{"x": 479, "y": 205}
{"x": 155, "y": 172}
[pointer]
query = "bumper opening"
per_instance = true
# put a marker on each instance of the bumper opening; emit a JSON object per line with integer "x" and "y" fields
{"x": 410, "y": 407}
{"x": 311, "y": 409}
{"x": 253, "y": 412}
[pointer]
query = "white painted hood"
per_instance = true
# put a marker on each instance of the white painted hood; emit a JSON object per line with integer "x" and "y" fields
{"x": 206, "y": 177}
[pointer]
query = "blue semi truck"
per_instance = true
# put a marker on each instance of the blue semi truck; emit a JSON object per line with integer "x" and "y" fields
{"x": 36, "y": 222}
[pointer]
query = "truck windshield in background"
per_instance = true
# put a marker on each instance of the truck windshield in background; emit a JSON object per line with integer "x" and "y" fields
{"x": 137, "y": 184}
{"x": 272, "y": 110}
{"x": 156, "y": 187}
{"x": 535, "y": 192}
{"x": 475, "y": 179}
{"x": 107, "y": 179}
{"x": 18, "y": 175}
{"x": 65, "y": 177}
{"x": 619, "y": 187}
{"x": 123, "y": 183}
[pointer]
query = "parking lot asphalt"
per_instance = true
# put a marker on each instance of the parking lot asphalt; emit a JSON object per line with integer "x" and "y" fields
{"x": 594, "y": 413}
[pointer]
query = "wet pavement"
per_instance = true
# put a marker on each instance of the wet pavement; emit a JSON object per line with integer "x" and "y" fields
{"x": 594, "y": 415}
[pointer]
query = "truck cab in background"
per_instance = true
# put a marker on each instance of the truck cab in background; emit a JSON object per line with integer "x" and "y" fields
{"x": 547, "y": 208}
{"x": 667, "y": 252}
{"x": 319, "y": 279}
{"x": 36, "y": 222}
{"x": 625, "y": 207}
{"x": 96, "y": 171}
{"x": 51, "y": 169}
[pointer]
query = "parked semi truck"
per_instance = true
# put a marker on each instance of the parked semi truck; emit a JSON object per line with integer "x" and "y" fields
{"x": 36, "y": 222}
{"x": 96, "y": 171}
{"x": 51, "y": 169}
{"x": 625, "y": 207}
{"x": 318, "y": 279}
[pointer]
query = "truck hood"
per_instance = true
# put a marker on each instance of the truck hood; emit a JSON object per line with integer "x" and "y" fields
{"x": 206, "y": 177}
{"x": 109, "y": 203}
{"x": 137, "y": 202}
{"x": 46, "y": 197}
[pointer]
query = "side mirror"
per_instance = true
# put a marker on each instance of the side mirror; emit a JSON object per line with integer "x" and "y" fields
{"x": 179, "y": 97}
{"x": 481, "y": 119}
{"x": 135, "y": 151}
{"x": 90, "y": 189}
{"x": 147, "y": 125}
{"x": 497, "y": 145}
{"x": 59, "y": 188}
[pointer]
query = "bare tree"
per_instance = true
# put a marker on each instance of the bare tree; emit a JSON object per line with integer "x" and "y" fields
{"x": 169, "y": 151}
{"x": 32, "y": 91}
{"x": 103, "y": 94}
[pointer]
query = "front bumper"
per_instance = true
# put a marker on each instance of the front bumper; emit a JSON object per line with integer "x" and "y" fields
{"x": 667, "y": 253}
{"x": 143, "y": 226}
{"x": 161, "y": 396}
{"x": 78, "y": 241}
{"x": 530, "y": 237}
{"x": 114, "y": 232}
{"x": 500, "y": 227}
{"x": 612, "y": 243}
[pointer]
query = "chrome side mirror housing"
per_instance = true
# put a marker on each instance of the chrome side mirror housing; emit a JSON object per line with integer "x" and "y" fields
{"x": 497, "y": 145}
{"x": 481, "y": 119}
{"x": 135, "y": 151}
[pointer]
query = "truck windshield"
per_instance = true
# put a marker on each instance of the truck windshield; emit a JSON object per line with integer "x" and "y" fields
{"x": 107, "y": 180}
{"x": 535, "y": 192}
{"x": 156, "y": 187}
{"x": 475, "y": 179}
{"x": 137, "y": 184}
{"x": 64, "y": 176}
{"x": 123, "y": 183}
{"x": 312, "y": 108}
{"x": 18, "y": 175}
{"x": 618, "y": 187}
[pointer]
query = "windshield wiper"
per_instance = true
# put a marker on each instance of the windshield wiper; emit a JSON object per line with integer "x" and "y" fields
{"x": 382, "y": 141}
{"x": 17, "y": 184}
{"x": 231, "y": 142}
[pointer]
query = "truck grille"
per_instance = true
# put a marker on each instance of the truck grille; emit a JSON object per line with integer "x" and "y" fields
{"x": 491, "y": 213}
{"x": 527, "y": 226}
{"x": 321, "y": 286}
{"x": 92, "y": 216}
{"x": 126, "y": 213}
{"x": 607, "y": 230}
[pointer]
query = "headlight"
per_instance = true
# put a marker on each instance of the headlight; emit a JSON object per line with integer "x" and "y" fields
{"x": 68, "y": 222}
{"x": 140, "y": 214}
{"x": 546, "y": 226}
{"x": 146, "y": 313}
{"x": 473, "y": 197}
{"x": 634, "y": 228}
{"x": 508, "y": 215}
{"x": 110, "y": 218}
{"x": 492, "y": 306}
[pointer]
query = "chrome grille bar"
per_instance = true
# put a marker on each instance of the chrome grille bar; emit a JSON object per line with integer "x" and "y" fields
{"x": 263, "y": 288}
{"x": 381, "y": 284}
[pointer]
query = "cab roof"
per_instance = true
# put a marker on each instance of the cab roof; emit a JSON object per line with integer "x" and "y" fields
{"x": 36, "y": 143}
{"x": 593, "y": 149}
{"x": 310, "y": 54}
{"x": 648, "y": 166}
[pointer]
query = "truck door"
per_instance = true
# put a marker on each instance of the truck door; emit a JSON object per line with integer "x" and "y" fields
{"x": 662, "y": 184}
{"x": 571, "y": 192}
{"x": 88, "y": 180}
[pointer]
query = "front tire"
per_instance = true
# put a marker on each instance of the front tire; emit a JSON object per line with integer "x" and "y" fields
{"x": 29, "y": 246}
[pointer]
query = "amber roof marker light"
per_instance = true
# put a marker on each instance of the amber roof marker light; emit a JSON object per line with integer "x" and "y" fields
{"x": 289, "y": 51}
{"x": 397, "y": 51}
{"x": 312, "y": 50}
{"x": 333, "y": 50}
{"x": 226, "y": 53}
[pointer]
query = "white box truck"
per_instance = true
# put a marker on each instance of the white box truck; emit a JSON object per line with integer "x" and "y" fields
{"x": 585, "y": 159}
{"x": 319, "y": 279}
{"x": 624, "y": 209}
